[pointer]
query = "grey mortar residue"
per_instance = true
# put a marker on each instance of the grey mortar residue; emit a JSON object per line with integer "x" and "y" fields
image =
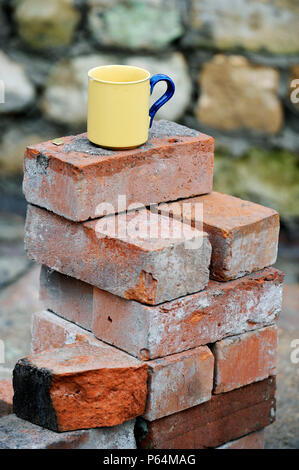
{"x": 159, "y": 130}
{"x": 165, "y": 128}
{"x": 83, "y": 145}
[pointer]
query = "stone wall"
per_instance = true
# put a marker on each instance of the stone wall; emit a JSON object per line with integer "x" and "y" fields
{"x": 233, "y": 62}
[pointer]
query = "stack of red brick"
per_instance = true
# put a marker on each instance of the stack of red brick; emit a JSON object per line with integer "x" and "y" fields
{"x": 177, "y": 331}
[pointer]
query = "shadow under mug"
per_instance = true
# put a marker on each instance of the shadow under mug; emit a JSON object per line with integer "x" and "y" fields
{"x": 119, "y": 114}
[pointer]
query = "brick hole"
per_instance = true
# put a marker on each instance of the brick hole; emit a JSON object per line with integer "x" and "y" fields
{"x": 109, "y": 319}
{"x": 144, "y": 354}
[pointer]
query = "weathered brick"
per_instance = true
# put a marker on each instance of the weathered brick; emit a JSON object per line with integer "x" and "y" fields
{"x": 112, "y": 315}
{"x": 123, "y": 254}
{"x": 175, "y": 382}
{"x": 15, "y": 433}
{"x": 255, "y": 440}
{"x": 66, "y": 296}
{"x": 48, "y": 332}
{"x": 221, "y": 310}
{"x": 243, "y": 235}
{"x": 245, "y": 358}
{"x": 6, "y": 394}
{"x": 224, "y": 418}
{"x": 179, "y": 381}
{"x": 79, "y": 386}
{"x": 176, "y": 162}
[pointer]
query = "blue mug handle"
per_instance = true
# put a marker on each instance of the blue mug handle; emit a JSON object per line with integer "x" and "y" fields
{"x": 164, "y": 98}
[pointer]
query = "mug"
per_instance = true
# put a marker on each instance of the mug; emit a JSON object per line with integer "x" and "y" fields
{"x": 118, "y": 105}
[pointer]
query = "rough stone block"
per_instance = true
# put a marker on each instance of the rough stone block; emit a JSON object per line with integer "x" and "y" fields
{"x": 114, "y": 24}
{"x": 256, "y": 86}
{"x": 15, "y": 433}
{"x": 79, "y": 386}
{"x": 255, "y": 440}
{"x": 176, "y": 162}
{"x": 45, "y": 25}
{"x": 221, "y": 310}
{"x": 246, "y": 358}
{"x": 178, "y": 69}
{"x": 6, "y": 395}
{"x": 16, "y": 98}
{"x": 224, "y": 418}
{"x": 66, "y": 296}
{"x": 258, "y": 25}
{"x": 139, "y": 255}
{"x": 243, "y": 235}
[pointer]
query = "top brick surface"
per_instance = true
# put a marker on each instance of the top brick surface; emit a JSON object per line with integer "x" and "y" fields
{"x": 81, "y": 181}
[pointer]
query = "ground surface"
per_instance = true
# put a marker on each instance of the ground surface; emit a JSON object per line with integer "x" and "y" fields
{"x": 19, "y": 299}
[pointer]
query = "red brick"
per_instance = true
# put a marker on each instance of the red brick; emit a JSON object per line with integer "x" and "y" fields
{"x": 79, "y": 386}
{"x": 221, "y": 310}
{"x": 195, "y": 320}
{"x": 128, "y": 264}
{"x": 254, "y": 440}
{"x": 50, "y": 332}
{"x": 224, "y": 418}
{"x": 73, "y": 179}
{"x": 175, "y": 382}
{"x": 66, "y": 296}
{"x": 243, "y": 235}
{"x": 246, "y": 358}
{"x": 179, "y": 381}
{"x": 16, "y": 433}
{"x": 6, "y": 394}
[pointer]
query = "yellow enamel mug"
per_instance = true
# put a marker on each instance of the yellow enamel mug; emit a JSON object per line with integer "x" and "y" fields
{"x": 119, "y": 113}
